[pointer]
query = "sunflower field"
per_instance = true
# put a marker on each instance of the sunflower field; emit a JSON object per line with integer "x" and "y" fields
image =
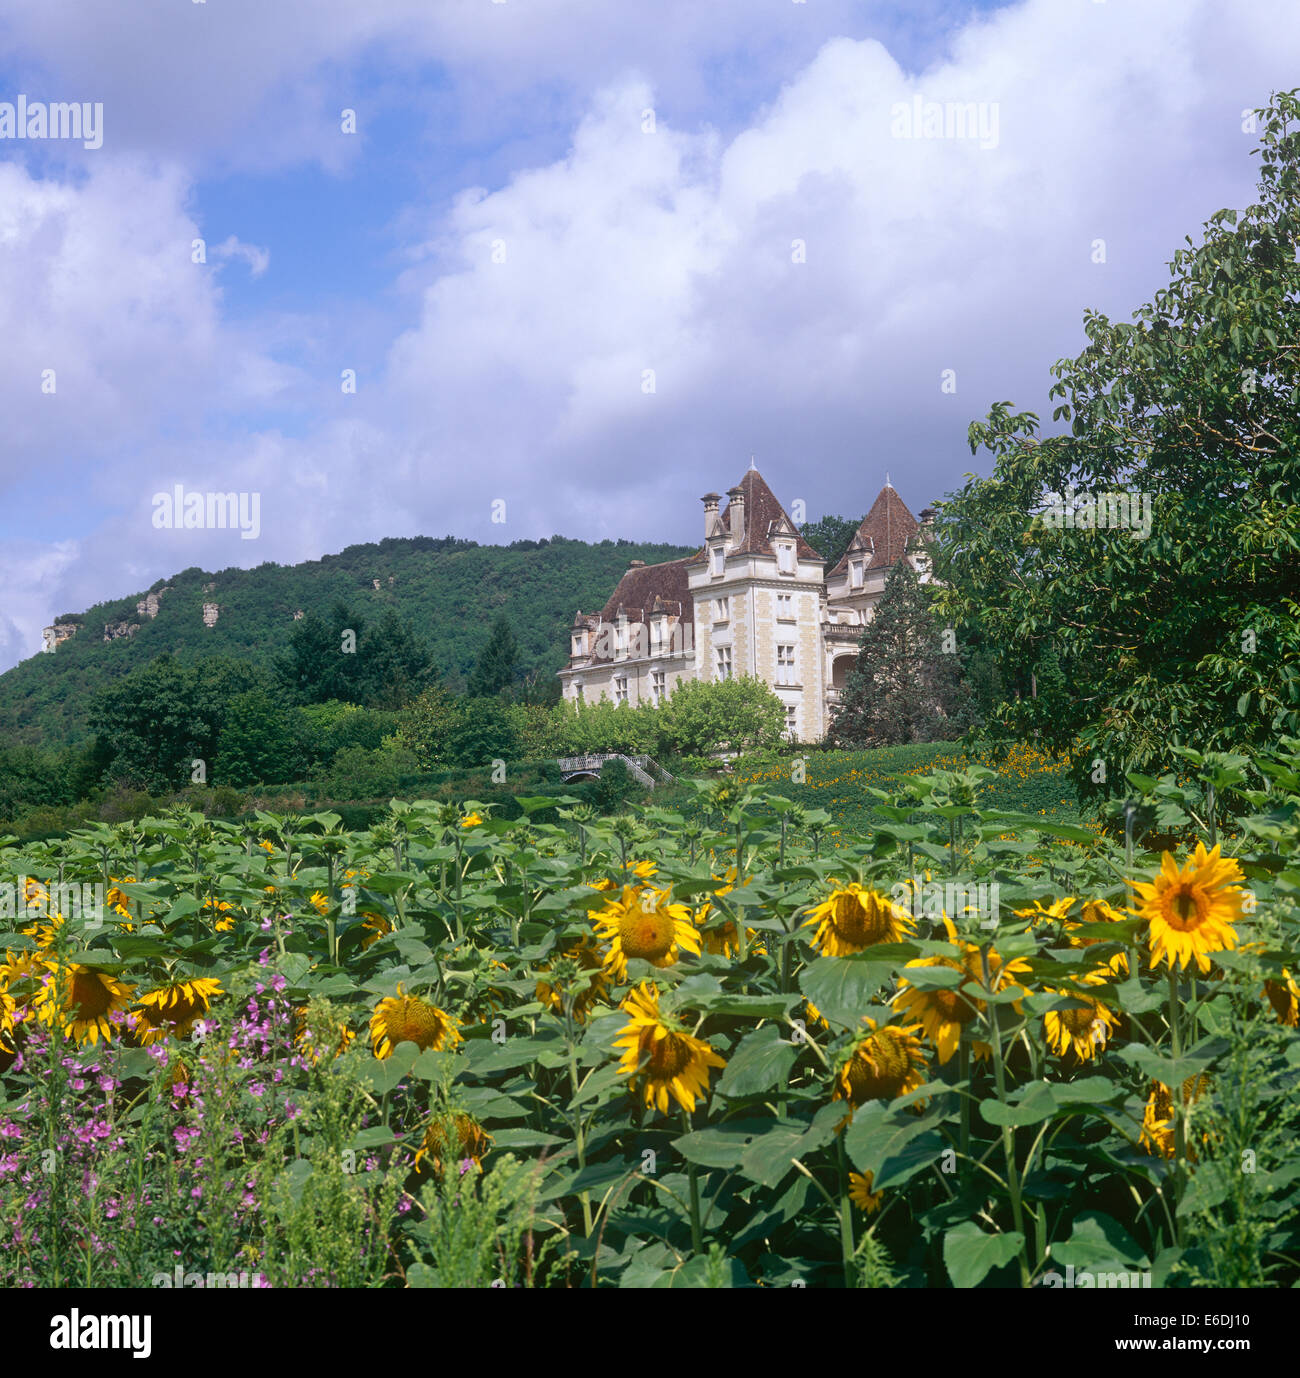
{"x": 969, "y": 1047}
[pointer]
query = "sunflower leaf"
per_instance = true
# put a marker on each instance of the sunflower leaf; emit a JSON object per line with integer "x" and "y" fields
{"x": 762, "y": 1060}
{"x": 970, "y": 1255}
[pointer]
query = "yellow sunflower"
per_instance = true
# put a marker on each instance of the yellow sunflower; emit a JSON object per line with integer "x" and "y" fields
{"x": 376, "y": 926}
{"x": 408, "y": 1019}
{"x": 171, "y": 1010}
{"x": 860, "y": 1192}
{"x": 944, "y": 1011}
{"x": 855, "y": 918}
{"x": 660, "y": 1058}
{"x": 642, "y": 870}
{"x": 24, "y": 966}
{"x": 1085, "y": 1030}
{"x": 471, "y": 820}
{"x": 586, "y": 958}
{"x": 44, "y": 932}
{"x": 79, "y": 1001}
{"x": 1283, "y": 995}
{"x": 1190, "y": 910}
{"x": 319, "y": 901}
{"x": 884, "y": 1064}
{"x": 267, "y": 846}
{"x": 1158, "y": 1117}
{"x": 644, "y": 923}
{"x": 472, "y": 1141}
{"x": 119, "y": 900}
{"x": 221, "y": 913}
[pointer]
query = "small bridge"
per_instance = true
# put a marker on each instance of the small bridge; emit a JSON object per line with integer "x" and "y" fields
{"x": 641, "y": 768}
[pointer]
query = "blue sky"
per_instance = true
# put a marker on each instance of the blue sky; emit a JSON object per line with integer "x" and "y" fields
{"x": 503, "y": 249}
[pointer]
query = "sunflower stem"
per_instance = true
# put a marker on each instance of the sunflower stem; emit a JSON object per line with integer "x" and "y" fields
{"x": 1008, "y": 1135}
{"x": 1176, "y": 1096}
{"x": 693, "y": 1172}
{"x": 846, "y": 1215}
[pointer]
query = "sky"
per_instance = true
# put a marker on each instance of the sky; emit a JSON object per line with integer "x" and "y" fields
{"x": 510, "y": 270}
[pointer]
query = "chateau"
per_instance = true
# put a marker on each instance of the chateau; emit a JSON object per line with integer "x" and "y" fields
{"x": 756, "y": 599}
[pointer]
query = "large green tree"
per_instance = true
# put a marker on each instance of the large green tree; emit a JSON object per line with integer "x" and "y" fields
{"x": 700, "y": 717}
{"x": 261, "y": 742}
{"x": 498, "y": 668}
{"x": 1187, "y": 630}
{"x": 155, "y": 722}
{"x": 906, "y": 686}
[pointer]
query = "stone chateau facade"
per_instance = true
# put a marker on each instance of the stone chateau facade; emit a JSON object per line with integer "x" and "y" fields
{"x": 756, "y": 599}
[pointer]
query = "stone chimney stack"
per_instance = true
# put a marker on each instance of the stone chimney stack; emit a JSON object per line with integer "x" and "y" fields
{"x": 710, "y": 501}
{"x": 737, "y": 514}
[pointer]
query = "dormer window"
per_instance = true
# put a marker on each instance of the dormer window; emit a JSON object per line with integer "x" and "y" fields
{"x": 717, "y": 555}
{"x": 785, "y": 558}
{"x": 580, "y": 643}
{"x": 855, "y": 573}
{"x": 721, "y": 609}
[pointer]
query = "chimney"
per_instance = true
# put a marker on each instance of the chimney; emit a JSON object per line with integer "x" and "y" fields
{"x": 710, "y": 501}
{"x": 737, "y": 514}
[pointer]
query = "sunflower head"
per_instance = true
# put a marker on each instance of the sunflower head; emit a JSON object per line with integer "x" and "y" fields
{"x": 467, "y": 1136}
{"x": 855, "y": 918}
{"x": 1083, "y": 1030}
{"x": 80, "y": 1001}
{"x": 944, "y": 1011}
{"x": 408, "y": 1019}
{"x": 1283, "y": 995}
{"x": 660, "y": 1059}
{"x": 1158, "y": 1118}
{"x": 883, "y": 1065}
{"x": 1190, "y": 909}
{"x": 644, "y": 923}
{"x": 861, "y": 1195}
{"x": 578, "y": 959}
{"x": 171, "y": 1010}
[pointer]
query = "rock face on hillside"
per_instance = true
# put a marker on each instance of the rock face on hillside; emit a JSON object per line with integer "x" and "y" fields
{"x": 210, "y": 614}
{"x": 60, "y": 632}
{"x": 148, "y": 605}
{"x": 114, "y": 630}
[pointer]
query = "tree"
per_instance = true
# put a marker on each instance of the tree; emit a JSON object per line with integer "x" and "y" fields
{"x": 154, "y": 723}
{"x": 1172, "y": 614}
{"x": 481, "y": 732}
{"x": 394, "y": 665}
{"x": 425, "y": 727}
{"x": 321, "y": 661}
{"x": 904, "y": 686}
{"x": 700, "y": 717}
{"x": 498, "y": 667}
{"x": 261, "y": 742}
{"x": 830, "y": 536}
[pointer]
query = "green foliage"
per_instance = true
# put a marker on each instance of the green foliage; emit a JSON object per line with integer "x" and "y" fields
{"x": 737, "y": 714}
{"x": 903, "y": 687}
{"x": 153, "y": 723}
{"x": 498, "y": 668}
{"x": 830, "y": 536}
{"x": 358, "y": 772}
{"x": 260, "y": 741}
{"x": 343, "y": 657}
{"x": 1189, "y": 630}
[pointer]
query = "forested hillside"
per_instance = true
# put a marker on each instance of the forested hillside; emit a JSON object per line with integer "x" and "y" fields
{"x": 449, "y": 590}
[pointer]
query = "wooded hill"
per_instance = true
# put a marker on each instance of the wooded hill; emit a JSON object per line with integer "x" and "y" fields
{"x": 449, "y": 590}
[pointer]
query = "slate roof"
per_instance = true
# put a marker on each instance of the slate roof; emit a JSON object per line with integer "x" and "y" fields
{"x": 762, "y": 512}
{"x": 885, "y": 532}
